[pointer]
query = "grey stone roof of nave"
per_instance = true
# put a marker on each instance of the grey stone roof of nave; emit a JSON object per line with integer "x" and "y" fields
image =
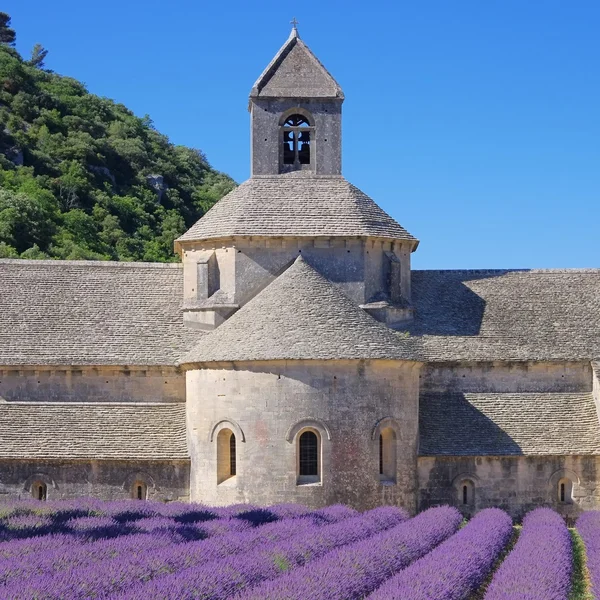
{"x": 295, "y": 72}
{"x": 469, "y": 424}
{"x": 108, "y": 313}
{"x": 296, "y": 204}
{"x": 300, "y": 315}
{"x": 507, "y": 315}
{"x": 80, "y": 430}
{"x": 91, "y": 313}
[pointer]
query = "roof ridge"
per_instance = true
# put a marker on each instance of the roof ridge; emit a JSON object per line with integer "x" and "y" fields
{"x": 582, "y": 394}
{"x": 4, "y": 402}
{"x": 92, "y": 263}
{"x": 511, "y": 270}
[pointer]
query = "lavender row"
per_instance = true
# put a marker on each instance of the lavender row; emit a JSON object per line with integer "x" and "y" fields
{"x": 351, "y": 572}
{"x": 588, "y": 527}
{"x": 457, "y": 567}
{"x": 63, "y": 549}
{"x": 108, "y": 576}
{"x": 221, "y": 579}
{"x": 26, "y": 519}
{"x": 146, "y": 535}
{"x": 540, "y": 565}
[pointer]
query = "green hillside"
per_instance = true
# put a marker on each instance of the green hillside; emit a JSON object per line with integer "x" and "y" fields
{"x": 81, "y": 177}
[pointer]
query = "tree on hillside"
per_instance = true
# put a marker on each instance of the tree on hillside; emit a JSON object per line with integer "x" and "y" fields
{"x": 82, "y": 177}
{"x": 38, "y": 55}
{"x": 7, "y": 35}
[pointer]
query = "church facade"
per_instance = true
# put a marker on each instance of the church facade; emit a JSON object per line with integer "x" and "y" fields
{"x": 294, "y": 356}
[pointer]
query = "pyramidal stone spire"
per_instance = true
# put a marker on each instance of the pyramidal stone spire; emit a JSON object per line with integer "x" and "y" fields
{"x": 295, "y": 72}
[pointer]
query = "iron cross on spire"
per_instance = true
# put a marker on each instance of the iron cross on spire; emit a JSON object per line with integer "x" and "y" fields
{"x": 294, "y": 23}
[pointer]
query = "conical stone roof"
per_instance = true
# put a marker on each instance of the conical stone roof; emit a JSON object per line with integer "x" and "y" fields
{"x": 301, "y": 316}
{"x": 296, "y": 205}
{"x": 295, "y": 72}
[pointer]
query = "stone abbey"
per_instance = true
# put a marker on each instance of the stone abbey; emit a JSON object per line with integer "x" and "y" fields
{"x": 294, "y": 356}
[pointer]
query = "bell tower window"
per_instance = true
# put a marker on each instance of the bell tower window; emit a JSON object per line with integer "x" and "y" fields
{"x": 297, "y": 134}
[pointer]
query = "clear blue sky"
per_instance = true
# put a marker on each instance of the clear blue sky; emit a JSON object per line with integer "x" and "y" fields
{"x": 473, "y": 123}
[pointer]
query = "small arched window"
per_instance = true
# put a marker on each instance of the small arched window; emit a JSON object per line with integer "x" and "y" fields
{"x": 297, "y": 134}
{"x": 140, "y": 491}
{"x": 39, "y": 490}
{"x": 565, "y": 491}
{"x": 387, "y": 455}
{"x": 226, "y": 455}
{"x": 466, "y": 493}
{"x": 308, "y": 457}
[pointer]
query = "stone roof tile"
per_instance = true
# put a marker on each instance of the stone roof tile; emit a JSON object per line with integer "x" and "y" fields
{"x": 295, "y": 72}
{"x": 75, "y": 430}
{"x": 508, "y": 424}
{"x": 91, "y": 313}
{"x": 300, "y": 315}
{"x": 507, "y": 315}
{"x": 298, "y": 205}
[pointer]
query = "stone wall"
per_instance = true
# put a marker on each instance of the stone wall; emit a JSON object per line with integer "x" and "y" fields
{"x": 516, "y": 484}
{"x": 359, "y": 267}
{"x": 107, "y": 480}
{"x": 267, "y": 139}
{"x": 269, "y": 404}
{"x": 102, "y": 384}
{"x": 507, "y": 377}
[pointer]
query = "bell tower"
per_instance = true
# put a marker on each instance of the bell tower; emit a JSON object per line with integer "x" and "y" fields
{"x": 296, "y": 114}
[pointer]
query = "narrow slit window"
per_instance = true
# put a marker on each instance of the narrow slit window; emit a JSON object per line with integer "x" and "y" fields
{"x": 232, "y": 457}
{"x": 565, "y": 491}
{"x": 39, "y": 491}
{"x": 466, "y": 493}
{"x": 226, "y": 455}
{"x": 387, "y": 455}
{"x": 140, "y": 491}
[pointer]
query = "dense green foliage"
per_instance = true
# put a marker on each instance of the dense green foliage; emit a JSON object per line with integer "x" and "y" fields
{"x": 81, "y": 177}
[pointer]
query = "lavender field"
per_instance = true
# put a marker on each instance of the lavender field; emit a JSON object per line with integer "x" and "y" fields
{"x": 132, "y": 550}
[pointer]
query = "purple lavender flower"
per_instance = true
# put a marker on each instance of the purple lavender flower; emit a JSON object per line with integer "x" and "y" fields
{"x": 353, "y": 571}
{"x": 588, "y": 527}
{"x": 540, "y": 564}
{"x": 221, "y": 579}
{"x": 94, "y": 568}
{"x": 457, "y": 567}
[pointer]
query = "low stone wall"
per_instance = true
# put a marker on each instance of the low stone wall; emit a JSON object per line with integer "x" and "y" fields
{"x": 92, "y": 384}
{"x": 103, "y": 479}
{"x": 507, "y": 377}
{"x": 516, "y": 484}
